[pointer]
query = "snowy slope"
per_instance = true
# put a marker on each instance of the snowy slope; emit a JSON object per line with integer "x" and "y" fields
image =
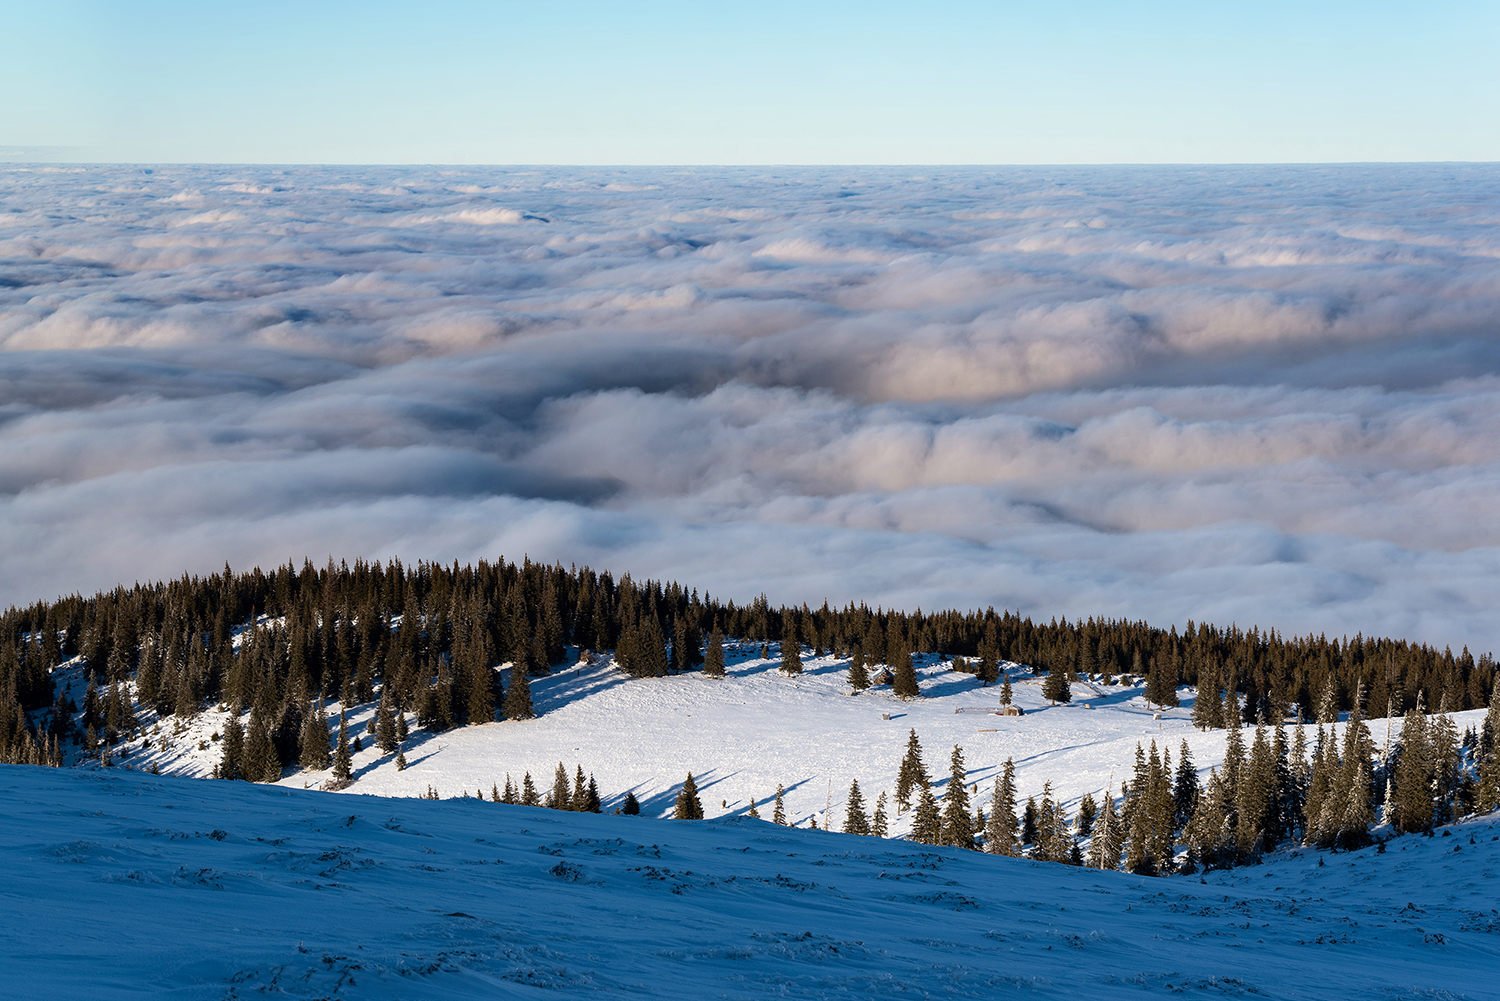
{"x": 127, "y": 885}
{"x": 741, "y": 735}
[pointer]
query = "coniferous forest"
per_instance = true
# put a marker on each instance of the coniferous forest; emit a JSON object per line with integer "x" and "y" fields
{"x": 452, "y": 646}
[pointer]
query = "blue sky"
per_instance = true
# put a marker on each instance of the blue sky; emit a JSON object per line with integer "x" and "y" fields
{"x": 569, "y": 81}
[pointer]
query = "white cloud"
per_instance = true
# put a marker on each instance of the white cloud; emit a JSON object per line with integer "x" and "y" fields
{"x": 1262, "y": 394}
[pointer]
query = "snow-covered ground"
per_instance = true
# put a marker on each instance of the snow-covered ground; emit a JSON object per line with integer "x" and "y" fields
{"x": 743, "y": 734}
{"x": 126, "y": 885}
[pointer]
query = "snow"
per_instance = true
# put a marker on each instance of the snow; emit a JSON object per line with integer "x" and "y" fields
{"x": 123, "y": 884}
{"x": 743, "y": 734}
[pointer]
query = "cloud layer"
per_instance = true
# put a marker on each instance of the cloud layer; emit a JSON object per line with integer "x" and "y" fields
{"x": 1269, "y": 395}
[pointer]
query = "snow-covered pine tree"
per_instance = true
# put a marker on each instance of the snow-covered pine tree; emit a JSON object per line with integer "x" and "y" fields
{"x": 855, "y": 821}
{"x": 1328, "y": 701}
{"x": 912, "y": 773}
{"x": 688, "y": 806}
{"x": 957, "y": 823}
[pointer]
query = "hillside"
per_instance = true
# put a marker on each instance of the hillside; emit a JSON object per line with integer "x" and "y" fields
{"x": 133, "y": 885}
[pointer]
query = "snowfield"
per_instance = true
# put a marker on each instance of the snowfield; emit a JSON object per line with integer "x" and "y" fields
{"x": 128, "y": 885}
{"x": 743, "y": 734}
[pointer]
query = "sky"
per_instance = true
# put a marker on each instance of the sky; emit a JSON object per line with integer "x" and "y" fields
{"x": 1255, "y": 394}
{"x": 590, "y": 83}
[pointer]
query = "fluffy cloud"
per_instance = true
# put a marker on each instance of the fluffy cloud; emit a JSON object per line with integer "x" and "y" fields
{"x": 1264, "y": 394}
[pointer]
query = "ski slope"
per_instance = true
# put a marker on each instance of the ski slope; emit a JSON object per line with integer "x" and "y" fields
{"x": 743, "y": 734}
{"x": 126, "y": 885}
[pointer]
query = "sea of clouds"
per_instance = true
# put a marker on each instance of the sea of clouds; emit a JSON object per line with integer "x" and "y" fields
{"x": 1262, "y": 394}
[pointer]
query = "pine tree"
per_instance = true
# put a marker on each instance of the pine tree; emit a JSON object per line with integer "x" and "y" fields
{"x": 753, "y": 812}
{"x": 1255, "y": 798}
{"x": 1000, "y": 833}
{"x": 314, "y": 743}
{"x": 1088, "y": 812}
{"x": 1488, "y": 753}
{"x": 343, "y": 760}
{"x": 791, "y": 649}
{"x": 859, "y": 678}
{"x": 591, "y": 801}
{"x": 561, "y": 796}
{"x": 632, "y": 806}
{"x": 529, "y": 795}
{"x": 1328, "y": 702}
{"x": 957, "y": 824}
{"x": 879, "y": 823}
{"x": 385, "y": 727}
{"x": 778, "y": 812}
{"x": 912, "y": 773}
{"x": 1029, "y": 822}
{"x": 1044, "y": 841}
{"x": 518, "y": 695}
{"x": 1206, "y": 703}
{"x": 1104, "y": 848}
{"x": 713, "y": 660}
{"x": 1414, "y": 772}
{"x": 509, "y": 795}
{"x": 904, "y": 684}
{"x": 855, "y": 821}
{"x": 400, "y": 761}
{"x": 926, "y": 823}
{"x": 233, "y": 746}
{"x": 1005, "y": 691}
{"x": 688, "y": 806}
{"x": 580, "y": 800}
{"x": 1185, "y": 788}
{"x": 1056, "y": 688}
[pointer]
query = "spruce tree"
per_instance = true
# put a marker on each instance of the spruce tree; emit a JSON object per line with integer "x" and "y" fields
{"x": 879, "y": 824}
{"x": 855, "y": 821}
{"x": 1255, "y": 798}
{"x": 232, "y": 750}
{"x": 1088, "y": 812}
{"x": 385, "y": 726}
{"x": 1185, "y": 787}
{"x": 1056, "y": 688}
{"x": 1488, "y": 752}
{"x": 713, "y": 660}
{"x": 518, "y": 695}
{"x": 1206, "y": 699}
{"x": 529, "y": 795}
{"x": 778, "y": 811}
{"x": 926, "y": 822}
{"x": 791, "y": 650}
{"x": 957, "y": 824}
{"x": 631, "y": 806}
{"x": 753, "y": 812}
{"x": 1414, "y": 774}
{"x": 688, "y": 806}
{"x": 1029, "y": 822}
{"x": 343, "y": 760}
{"x": 904, "y": 684}
{"x": 400, "y": 761}
{"x": 509, "y": 796}
{"x": 1328, "y": 702}
{"x": 1104, "y": 848}
{"x": 580, "y": 801}
{"x": 591, "y": 801}
{"x": 912, "y": 773}
{"x": 1005, "y": 690}
{"x": 1000, "y": 832}
{"x": 561, "y": 796}
{"x": 859, "y": 678}
{"x": 314, "y": 743}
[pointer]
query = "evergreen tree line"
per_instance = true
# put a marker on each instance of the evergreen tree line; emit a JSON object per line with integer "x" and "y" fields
{"x": 429, "y": 637}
